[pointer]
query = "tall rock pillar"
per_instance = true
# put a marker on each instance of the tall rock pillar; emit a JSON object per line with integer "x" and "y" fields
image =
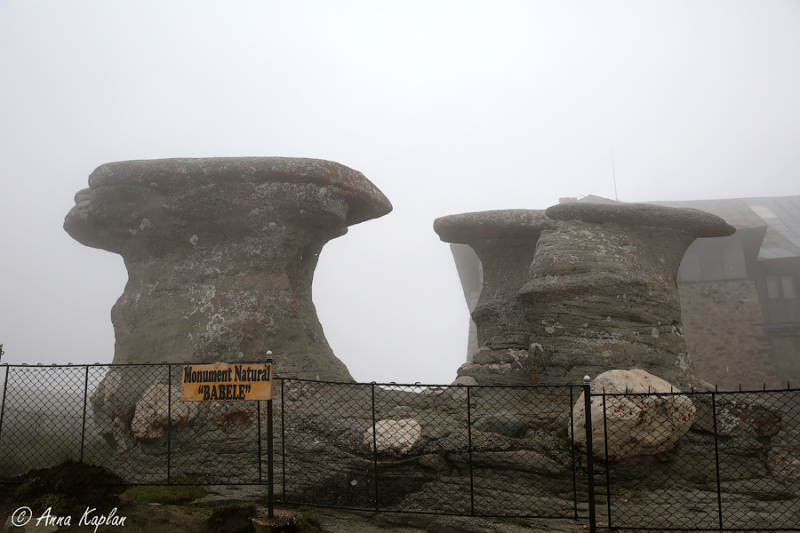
{"x": 505, "y": 242}
{"x": 221, "y": 255}
{"x": 603, "y": 290}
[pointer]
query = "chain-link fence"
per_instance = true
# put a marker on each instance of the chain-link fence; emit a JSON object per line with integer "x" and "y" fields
{"x": 46, "y": 419}
{"x": 130, "y": 419}
{"x": 726, "y": 461}
{"x": 489, "y": 451}
{"x": 683, "y": 461}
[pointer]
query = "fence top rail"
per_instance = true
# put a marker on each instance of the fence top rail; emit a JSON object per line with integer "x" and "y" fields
{"x": 399, "y": 386}
{"x": 82, "y": 365}
{"x": 694, "y": 392}
{"x": 278, "y": 377}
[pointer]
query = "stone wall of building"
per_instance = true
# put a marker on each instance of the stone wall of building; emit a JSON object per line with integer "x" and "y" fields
{"x": 725, "y": 337}
{"x": 786, "y": 355}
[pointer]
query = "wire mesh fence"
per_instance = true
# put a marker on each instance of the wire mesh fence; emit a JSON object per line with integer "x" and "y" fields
{"x": 430, "y": 449}
{"x": 720, "y": 461}
{"x": 723, "y": 461}
{"x": 45, "y": 418}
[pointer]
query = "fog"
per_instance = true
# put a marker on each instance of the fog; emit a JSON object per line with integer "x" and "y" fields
{"x": 447, "y": 107}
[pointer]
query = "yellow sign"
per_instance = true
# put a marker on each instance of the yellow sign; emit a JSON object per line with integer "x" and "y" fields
{"x": 227, "y": 382}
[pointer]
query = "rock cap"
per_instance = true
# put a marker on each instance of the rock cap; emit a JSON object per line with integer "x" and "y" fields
{"x": 469, "y": 227}
{"x": 693, "y": 221}
{"x": 177, "y": 173}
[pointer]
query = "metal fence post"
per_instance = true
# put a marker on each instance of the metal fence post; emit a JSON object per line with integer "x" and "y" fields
{"x": 469, "y": 449}
{"x": 3, "y": 405}
{"x": 605, "y": 449}
{"x": 169, "y": 420}
{"x": 587, "y": 405}
{"x": 374, "y": 446}
{"x": 572, "y": 453}
{"x": 258, "y": 423}
{"x": 270, "y": 463}
{"x": 270, "y": 459}
{"x": 283, "y": 443}
{"x": 716, "y": 455}
{"x": 83, "y": 425}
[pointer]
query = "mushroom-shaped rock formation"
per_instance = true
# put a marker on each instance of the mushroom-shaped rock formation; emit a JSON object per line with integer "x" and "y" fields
{"x": 603, "y": 291}
{"x": 505, "y": 242}
{"x": 221, "y": 255}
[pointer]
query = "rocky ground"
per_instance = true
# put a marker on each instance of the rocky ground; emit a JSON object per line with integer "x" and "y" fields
{"x": 226, "y": 509}
{"x": 329, "y": 463}
{"x": 149, "y": 518}
{"x": 235, "y": 509}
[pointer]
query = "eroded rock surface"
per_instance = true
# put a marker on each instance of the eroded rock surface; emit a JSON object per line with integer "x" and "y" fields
{"x": 505, "y": 242}
{"x": 220, "y": 254}
{"x": 603, "y": 290}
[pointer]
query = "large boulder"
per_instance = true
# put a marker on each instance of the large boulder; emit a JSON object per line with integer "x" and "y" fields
{"x": 639, "y": 423}
{"x": 153, "y": 416}
{"x": 394, "y": 437}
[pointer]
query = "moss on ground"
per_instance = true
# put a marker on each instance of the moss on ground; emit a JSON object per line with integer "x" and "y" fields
{"x": 179, "y": 491}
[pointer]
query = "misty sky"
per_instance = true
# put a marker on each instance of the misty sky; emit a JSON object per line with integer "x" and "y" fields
{"x": 448, "y": 107}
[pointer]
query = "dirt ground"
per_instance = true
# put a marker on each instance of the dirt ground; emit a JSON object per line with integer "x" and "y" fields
{"x": 72, "y": 488}
{"x": 150, "y": 518}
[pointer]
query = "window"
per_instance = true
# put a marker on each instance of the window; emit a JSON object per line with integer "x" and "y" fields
{"x": 713, "y": 259}
{"x": 782, "y": 299}
{"x": 789, "y": 287}
{"x": 781, "y": 288}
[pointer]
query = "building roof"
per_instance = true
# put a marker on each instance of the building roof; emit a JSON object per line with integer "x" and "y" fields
{"x": 780, "y": 215}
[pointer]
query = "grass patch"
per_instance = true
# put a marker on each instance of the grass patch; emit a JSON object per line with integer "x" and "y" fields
{"x": 57, "y": 502}
{"x": 309, "y": 523}
{"x": 237, "y": 513}
{"x": 166, "y": 494}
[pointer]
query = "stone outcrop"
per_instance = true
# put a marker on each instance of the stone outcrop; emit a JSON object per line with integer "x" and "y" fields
{"x": 739, "y": 416}
{"x": 220, "y": 254}
{"x": 603, "y": 292}
{"x": 635, "y": 425}
{"x": 504, "y": 423}
{"x": 579, "y": 289}
{"x": 331, "y": 461}
{"x": 328, "y": 462}
{"x": 505, "y": 242}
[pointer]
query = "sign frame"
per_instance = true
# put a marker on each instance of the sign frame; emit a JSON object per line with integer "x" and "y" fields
{"x": 227, "y": 382}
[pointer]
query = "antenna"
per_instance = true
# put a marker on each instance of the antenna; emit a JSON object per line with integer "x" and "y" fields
{"x": 614, "y": 173}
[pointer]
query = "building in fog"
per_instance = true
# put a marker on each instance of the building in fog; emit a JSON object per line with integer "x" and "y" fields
{"x": 740, "y": 295}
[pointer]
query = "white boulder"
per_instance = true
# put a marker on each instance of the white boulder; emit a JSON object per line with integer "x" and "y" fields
{"x": 152, "y": 416}
{"x": 637, "y": 424}
{"x": 395, "y": 437}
